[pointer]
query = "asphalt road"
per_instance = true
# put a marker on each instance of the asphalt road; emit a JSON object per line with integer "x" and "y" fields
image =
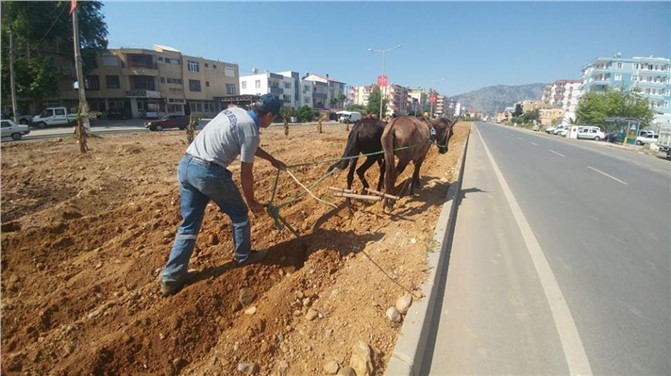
{"x": 559, "y": 261}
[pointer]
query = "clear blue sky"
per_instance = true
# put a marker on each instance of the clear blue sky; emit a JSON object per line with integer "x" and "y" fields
{"x": 453, "y": 47}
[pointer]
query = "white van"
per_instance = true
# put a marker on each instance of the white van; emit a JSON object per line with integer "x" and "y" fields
{"x": 348, "y": 116}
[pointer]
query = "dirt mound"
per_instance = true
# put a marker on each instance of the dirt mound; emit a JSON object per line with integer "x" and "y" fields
{"x": 85, "y": 236}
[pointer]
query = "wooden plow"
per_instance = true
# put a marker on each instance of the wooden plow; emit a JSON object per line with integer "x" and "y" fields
{"x": 372, "y": 195}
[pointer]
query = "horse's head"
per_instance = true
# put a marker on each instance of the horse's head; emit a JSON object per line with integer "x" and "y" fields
{"x": 443, "y": 130}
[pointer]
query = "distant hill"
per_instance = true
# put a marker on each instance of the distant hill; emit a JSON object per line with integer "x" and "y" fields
{"x": 491, "y": 99}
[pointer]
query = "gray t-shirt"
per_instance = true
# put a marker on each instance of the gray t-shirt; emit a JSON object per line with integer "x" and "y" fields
{"x": 231, "y": 133}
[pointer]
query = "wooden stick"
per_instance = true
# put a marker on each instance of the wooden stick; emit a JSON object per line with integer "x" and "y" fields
{"x": 336, "y": 189}
{"x": 381, "y": 194}
{"x": 359, "y": 197}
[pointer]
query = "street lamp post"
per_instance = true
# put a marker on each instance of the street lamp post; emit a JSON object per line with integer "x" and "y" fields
{"x": 383, "y": 52}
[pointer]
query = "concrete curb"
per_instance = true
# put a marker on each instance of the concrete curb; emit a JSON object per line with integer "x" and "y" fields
{"x": 409, "y": 350}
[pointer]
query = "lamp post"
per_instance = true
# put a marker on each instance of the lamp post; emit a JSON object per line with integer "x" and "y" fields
{"x": 384, "y": 51}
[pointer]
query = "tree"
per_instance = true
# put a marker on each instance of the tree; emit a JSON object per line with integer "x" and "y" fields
{"x": 42, "y": 32}
{"x": 305, "y": 114}
{"x": 594, "y": 107}
{"x": 358, "y": 108}
{"x": 374, "y": 102}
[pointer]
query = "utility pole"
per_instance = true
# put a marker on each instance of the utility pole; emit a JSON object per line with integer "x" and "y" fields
{"x": 11, "y": 75}
{"x": 83, "y": 125}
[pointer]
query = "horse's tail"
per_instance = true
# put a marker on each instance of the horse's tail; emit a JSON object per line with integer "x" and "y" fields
{"x": 350, "y": 150}
{"x": 388, "y": 147}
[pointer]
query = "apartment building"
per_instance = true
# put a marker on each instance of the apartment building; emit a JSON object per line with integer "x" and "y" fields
{"x": 359, "y": 94}
{"x": 160, "y": 80}
{"x": 282, "y": 86}
{"x": 420, "y": 100}
{"x": 647, "y": 76}
{"x": 563, "y": 94}
{"x": 397, "y": 100}
{"x": 331, "y": 95}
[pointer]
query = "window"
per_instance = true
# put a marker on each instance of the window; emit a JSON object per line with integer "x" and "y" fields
{"x": 59, "y": 112}
{"x": 257, "y": 84}
{"x": 230, "y": 89}
{"x": 160, "y": 58}
{"x": 193, "y": 66}
{"x": 5, "y": 124}
{"x": 243, "y": 85}
{"x": 92, "y": 83}
{"x": 162, "y": 80}
{"x": 229, "y": 71}
{"x": 618, "y": 77}
{"x": 618, "y": 65}
{"x": 287, "y": 85}
{"x": 112, "y": 82}
{"x": 206, "y": 65}
{"x": 110, "y": 61}
{"x": 214, "y": 66}
{"x": 207, "y": 83}
{"x": 194, "y": 85}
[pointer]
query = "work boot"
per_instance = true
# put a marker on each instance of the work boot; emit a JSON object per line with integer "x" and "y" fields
{"x": 253, "y": 258}
{"x": 173, "y": 287}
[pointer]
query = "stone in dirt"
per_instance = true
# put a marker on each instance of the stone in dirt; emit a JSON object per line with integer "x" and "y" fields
{"x": 393, "y": 315}
{"x": 331, "y": 367}
{"x": 403, "y": 303}
{"x": 346, "y": 371}
{"x": 248, "y": 368}
{"x": 361, "y": 361}
{"x": 246, "y": 296}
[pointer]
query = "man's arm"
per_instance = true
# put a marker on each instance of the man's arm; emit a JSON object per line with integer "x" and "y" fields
{"x": 264, "y": 154}
{"x": 247, "y": 181}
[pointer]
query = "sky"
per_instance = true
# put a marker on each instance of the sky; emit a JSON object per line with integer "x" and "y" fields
{"x": 452, "y": 47}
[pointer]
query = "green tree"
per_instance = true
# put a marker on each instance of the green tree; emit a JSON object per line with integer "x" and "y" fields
{"x": 357, "y": 108}
{"x": 42, "y": 32}
{"x": 594, "y": 107}
{"x": 374, "y": 102}
{"x": 305, "y": 114}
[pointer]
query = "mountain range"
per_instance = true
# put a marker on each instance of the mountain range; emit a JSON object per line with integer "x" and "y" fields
{"x": 494, "y": 99}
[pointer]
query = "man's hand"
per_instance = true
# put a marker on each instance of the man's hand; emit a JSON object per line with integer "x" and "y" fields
{"x": 278, "y": 164}
{"x": 256, "y": 207}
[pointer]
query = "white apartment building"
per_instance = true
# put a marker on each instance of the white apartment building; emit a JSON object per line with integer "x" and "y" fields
{"x": 564, "y": 94}
{"x": 262, "y": 83}
{"x": 333, "y": 92}
{"x": 359, "y": 94}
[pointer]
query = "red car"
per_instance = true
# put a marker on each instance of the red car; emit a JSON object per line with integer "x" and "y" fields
{"x": 168, "y": 121}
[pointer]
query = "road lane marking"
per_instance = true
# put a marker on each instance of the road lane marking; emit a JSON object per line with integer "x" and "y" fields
{"x": 559, "y": 154}
{"x": 533, "y": 143}
{"x": 574, "y": 352}
{"x": 605, "y": 174}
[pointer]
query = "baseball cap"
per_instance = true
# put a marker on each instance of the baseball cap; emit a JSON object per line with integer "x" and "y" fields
{"x": 268, "y": 103}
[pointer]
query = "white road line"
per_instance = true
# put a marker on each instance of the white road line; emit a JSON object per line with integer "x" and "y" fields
{"x": 559, "y": 154}
{"x": 574, "y": 352}
{"x": 533, "y": 143}
{"x": 605, "y": 174}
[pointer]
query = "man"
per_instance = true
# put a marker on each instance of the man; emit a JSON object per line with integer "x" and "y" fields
{"x": 203, "y": 176}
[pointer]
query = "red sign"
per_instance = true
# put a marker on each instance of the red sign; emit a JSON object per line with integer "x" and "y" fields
{"x": 432, "y": 99}
{"x": 382, "y": 80}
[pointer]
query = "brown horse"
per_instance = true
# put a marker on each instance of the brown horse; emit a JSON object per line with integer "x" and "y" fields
{"x": 364, "y": 138}
{"x": 409, "y": 139}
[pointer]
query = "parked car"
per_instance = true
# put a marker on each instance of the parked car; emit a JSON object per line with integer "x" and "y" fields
{"x": 648, "y": 138}
{"x": 560, "y": 128}
{"x": 13, "y": 130}
{"x": 591, "y": 133}
{"x": 536, "y": 128}
{"x": 54, "y": 116}
{"x": 168, "y": 121}
{"x": 22, "y": 119}
{"x": 117, "y": 114}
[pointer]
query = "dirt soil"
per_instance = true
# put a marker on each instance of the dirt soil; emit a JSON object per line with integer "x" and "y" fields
{"x": 84, "y": 237}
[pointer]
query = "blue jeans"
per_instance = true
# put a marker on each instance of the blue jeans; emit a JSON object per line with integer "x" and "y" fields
{"x": 200, "y": 182}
